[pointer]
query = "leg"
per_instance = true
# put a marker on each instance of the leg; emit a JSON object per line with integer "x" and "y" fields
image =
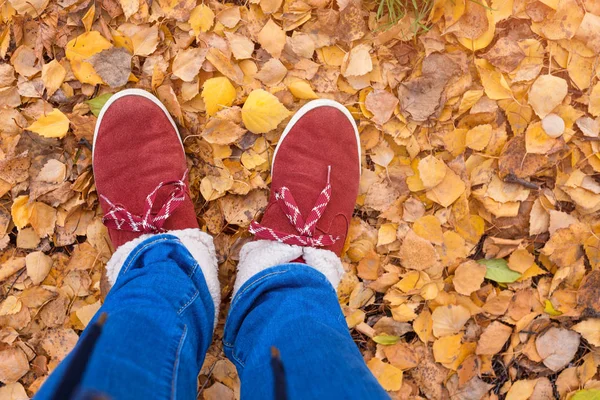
{"x": 160, "y": 322}
{"x": 165, "y": 290}
{"x": 293, "y": 306}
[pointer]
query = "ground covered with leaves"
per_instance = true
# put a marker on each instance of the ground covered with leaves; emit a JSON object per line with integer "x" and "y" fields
{"x": 473, "y": 258}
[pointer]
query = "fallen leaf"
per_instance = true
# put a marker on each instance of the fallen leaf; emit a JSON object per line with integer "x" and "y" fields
{"x": 201, "y": 19}
{"x": 113, "y": 65}
{"x": 80, "y": 49}
{"x": 546, "y": 93}
{"x": 217, "y": 93}
{"x": 262, "y": 112}
{"x": 272, "y": 38}
{"x": 493, "y": 338}
{"x": 557, "y": 357}
{"x": 468, "y": 277}
{"x": 590, "y": 330}
{"x": 38, "y": 266}
{"x": 388, "y": 376}
{"x": 498, "y": 271}
{"x": 449, "y": 320}
{"x": 53, "y": 75}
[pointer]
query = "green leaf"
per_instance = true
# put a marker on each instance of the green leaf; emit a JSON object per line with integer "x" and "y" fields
{"x": 386, "y": 339}
{"x": 97, "y": 103}
{"x": 498, "y": 271}
{"x": 588, "y": 394}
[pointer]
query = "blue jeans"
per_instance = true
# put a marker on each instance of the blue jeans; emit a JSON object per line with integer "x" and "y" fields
{"x": 160, "y": 323}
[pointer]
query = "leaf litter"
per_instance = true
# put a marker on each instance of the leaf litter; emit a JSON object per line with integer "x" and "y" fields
{"x": 472, "y": 262}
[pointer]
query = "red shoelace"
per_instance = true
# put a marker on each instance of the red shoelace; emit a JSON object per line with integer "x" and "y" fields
{"x": 119, "y": 218}
{"x": 306, "y": 229}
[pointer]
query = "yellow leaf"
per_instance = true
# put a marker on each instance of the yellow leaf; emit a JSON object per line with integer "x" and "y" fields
{"x": 53, "y": 75}
{"x": 449, "y": 190}
{"x": 479, "y": 137}
{"x": 55, "y": 124}
{"x": 429, "y": 228}
{"x": 302, "y": 90}
{"x": 201, "y": 19}
{"x": 546, "y": 93}
{"x": 590, "y": 330}
{"x": 521, "y": 260}
{"x": 521, "y": 390}
{"x": 431, "y": 171}
{"x": 80, "y": 49}
{"x": 537, "y": 141}
{"x": 88, "y": 18}
{"x": 446, "y": 349}
{"x": 423, "y": 326}
{"x": 262, "y": 112}
{"x": 217, "y": 93}
{"x": 388, "y": 376}
{"x": 494, "y": 83}
{"x": 386, "y": 234}
{"x": 532, "y": 271}
{"x": 145, "y": 41}
{"x": 11, "y": 305}
{"x": 450, "y": 319}
{"x": 594, "y": 106}
{"x": 21, "y": 211}
{"x": 550, "y": 310}
{"x": 129, "y": 7}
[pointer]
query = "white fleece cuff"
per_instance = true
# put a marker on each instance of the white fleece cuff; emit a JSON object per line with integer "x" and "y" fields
{"x": 198, "y": 243}
{"x": 259, "y": 255}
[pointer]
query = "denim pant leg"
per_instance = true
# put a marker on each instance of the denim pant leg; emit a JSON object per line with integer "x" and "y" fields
{"x": 159, "y": 326}
{"x": 294, "y": 308}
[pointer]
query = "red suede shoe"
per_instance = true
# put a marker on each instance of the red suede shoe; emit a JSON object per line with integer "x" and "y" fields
{"x": 140, "y": 168}
{"x": 315, "y": 178}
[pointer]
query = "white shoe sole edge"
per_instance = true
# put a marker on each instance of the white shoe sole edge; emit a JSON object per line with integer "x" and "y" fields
{"x": 131, "y": 92}
{"x": 311, "y": 106}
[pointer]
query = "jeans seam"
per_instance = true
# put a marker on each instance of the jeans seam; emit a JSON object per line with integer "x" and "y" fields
{"x": 183, "y": 307}
{"x": 133, "y": 256}
{"x": 176, "y": 363}
{"x": 250, "y": 285}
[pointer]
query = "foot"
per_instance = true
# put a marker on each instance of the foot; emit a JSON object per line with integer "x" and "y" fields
{"x": 315, "y": 177}
{"x": 140, "y": 168}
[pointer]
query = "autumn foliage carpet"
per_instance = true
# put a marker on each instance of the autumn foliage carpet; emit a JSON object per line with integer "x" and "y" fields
{"x": 473, "y": 258}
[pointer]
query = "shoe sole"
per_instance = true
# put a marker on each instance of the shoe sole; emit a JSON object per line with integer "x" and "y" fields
{"x": 311, "y": 106}
{"x": 132, "y": 92}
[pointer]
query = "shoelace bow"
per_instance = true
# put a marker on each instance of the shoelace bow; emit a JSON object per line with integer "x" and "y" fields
{"x": 119, "y": 218}
{"x": 306, "y": 229}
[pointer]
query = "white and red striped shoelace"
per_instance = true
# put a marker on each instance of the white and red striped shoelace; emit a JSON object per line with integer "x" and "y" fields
{"x": 306, "y": 229}
{"x": 119, "y": 218}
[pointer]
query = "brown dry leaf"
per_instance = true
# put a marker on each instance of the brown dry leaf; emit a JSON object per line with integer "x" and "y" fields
{"x": 272, "y": 38}
{"x": 468, "y": 277}
{"x": 113, "y": 65}
{"x": 13, "y": 364}
{"x": 493, "y": 338}
{"x": 553, "y": 356}
{"x": 417, "y": 253}
{"x": 381, "y": 104}
{"x": 13, "y": 391}
{"x": 38, "y": 266}
{"x": 357, "y": 61}
{"x": 187, "y": 63}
